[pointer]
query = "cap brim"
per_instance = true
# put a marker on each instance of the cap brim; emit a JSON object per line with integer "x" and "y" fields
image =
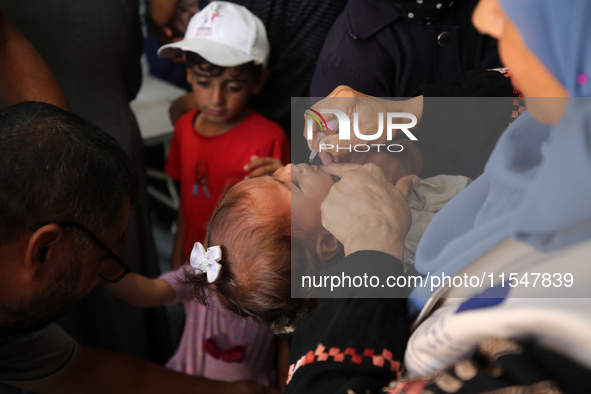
{"x": 213, "y": 52}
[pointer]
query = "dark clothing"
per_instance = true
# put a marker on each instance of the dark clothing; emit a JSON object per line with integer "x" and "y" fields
{"x": 356, "y": 345}
{"x": 376, "y": 49}
{"x": 296, "y": 32}
{"x": 93, "y": 48}
{"x": 351, "y": 343}
{"x": 457, "y": 134}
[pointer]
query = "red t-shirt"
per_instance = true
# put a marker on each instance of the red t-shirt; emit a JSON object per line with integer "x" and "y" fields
{"x": 206, "y": 166}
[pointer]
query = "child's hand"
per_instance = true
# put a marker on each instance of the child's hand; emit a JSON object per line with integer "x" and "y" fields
{"x": 259, "y": 166}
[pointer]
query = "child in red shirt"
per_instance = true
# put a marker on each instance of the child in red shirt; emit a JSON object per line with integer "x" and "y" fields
{"x": 226, "y": 51}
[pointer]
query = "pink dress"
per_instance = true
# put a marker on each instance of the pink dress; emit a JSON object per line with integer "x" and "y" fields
{"x": 227, "y": 335}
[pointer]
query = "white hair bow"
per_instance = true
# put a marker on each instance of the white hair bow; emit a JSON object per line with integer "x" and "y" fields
{"x": 206, "y": 261}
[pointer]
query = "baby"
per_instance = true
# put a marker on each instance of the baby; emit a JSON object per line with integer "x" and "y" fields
{"x": 269, "y": 228}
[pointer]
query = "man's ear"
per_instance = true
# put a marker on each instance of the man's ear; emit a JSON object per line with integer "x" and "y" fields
{"x": 41, "y": 248}
{"x": 261, "y": 82}
{"x": 327, "y": 246}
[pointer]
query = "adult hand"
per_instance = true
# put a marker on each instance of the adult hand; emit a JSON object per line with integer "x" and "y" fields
{"x": 349, "y": 101}
{"x": 259, "y": 166}
{"x": 395, "y": 165}
{"x": 366, "y": 212}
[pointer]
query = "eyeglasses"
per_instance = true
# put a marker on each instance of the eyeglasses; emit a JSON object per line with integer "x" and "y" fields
{"x": 110, "y": 272}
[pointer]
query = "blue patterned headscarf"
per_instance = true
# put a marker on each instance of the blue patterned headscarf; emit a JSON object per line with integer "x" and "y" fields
{"x": 536, "y": 186}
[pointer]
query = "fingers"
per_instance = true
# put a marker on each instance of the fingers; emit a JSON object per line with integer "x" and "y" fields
{"x": 345, "y": 91}
{"x": 314, "y": 144}
{"x": 260, "y": 171}
{"x": 330, "y": 144}
{"x": 340, "y": 169}
{"x": 361, "y": 208}
{"x": 406, "y": 184}
{"x": 167, "y": 32}
{"x": 259, "y": 166}
{"x": 315, "y": 134}
{"x": 326, "y": 158}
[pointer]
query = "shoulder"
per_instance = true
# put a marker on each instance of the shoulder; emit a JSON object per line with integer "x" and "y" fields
{"x": 36, "y": 356}
{"x": 364, "y": 18}
{"x": 186, "y": 120}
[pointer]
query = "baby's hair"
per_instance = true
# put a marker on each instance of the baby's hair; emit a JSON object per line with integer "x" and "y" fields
{"x": 193, "y": 59}
{"x": 255, "y": 279}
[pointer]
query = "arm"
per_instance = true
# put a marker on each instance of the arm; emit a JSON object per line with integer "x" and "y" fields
{"x": 179, "y": 241}
{"x": 141, "y": 291}
{"x": 162, "y": 11}
{"x": 24, "y": 75}
{"x": 162, "y": 14}
{"x": 96, "y": 371}
{"x": 455, "y": 136}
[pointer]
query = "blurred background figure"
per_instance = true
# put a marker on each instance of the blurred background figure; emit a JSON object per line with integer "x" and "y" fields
{"x": 409, "y": 42}
{"x": 24, "y": 75}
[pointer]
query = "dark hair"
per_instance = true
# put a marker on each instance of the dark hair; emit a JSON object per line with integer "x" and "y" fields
{"x": 258, "y": 253}
{"x": 192, "y": 59}
{"x": 56, "y": 167}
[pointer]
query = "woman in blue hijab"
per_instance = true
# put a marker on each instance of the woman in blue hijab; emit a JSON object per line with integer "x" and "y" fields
{"x": 536, "y": 187}
{"x": 530, "y": 212}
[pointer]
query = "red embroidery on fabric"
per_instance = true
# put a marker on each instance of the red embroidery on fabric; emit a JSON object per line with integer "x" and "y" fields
{"x": 334, "y": 351}
{"x": 387, "y": 354}
{"x": 378, "y": 361}
{"x": 383, "y": 360}
{"x": 394, "y": 366}
{"x": 356, "y": 358}
{"x": 518, "y": 103}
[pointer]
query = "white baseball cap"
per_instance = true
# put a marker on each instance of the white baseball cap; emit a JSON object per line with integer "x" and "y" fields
{"x": 224, "y": 34}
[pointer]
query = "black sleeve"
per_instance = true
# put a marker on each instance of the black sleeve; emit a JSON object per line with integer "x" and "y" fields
{"x": 351, "y": 343}
{"x": 463, "y": 120}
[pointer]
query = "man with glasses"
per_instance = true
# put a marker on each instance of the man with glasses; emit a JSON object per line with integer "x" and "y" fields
{"x": 65, "y": 192}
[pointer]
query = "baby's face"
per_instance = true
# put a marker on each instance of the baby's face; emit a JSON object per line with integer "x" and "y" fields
{"x": 301, "y": 187}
